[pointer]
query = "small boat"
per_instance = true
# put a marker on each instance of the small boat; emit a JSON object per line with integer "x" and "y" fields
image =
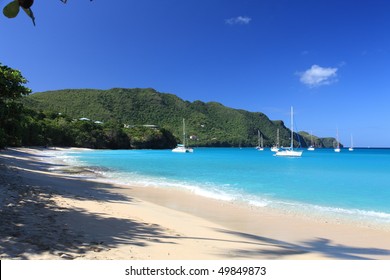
{"x": 181, "y": 148}
{"x": 337, "y": 149}
{"x": 289, "y": 152}
{"x": 275, "y": 148}
{"x": 351, "y": 148}
{"x": 311, "y": 147}
{"x": 260, "y": 146}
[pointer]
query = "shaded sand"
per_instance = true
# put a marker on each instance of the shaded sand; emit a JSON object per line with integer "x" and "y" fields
{"x": 53, "y": 211}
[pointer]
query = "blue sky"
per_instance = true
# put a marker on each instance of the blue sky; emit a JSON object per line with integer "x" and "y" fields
{"x": 329, "y": 59}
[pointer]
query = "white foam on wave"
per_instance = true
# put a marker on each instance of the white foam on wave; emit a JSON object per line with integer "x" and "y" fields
{"x": 206, "y": 190}
{"x": 209, "y": 190}
{"x": 259, "y": 202}
{"x": 54, "y": 156}
{"x": 359, "y": 216}
{"x": 356, "y": 212}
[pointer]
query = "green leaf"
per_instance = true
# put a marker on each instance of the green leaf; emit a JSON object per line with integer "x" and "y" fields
{"x": 30, "y": 13}
{"x": 12, "y": 9}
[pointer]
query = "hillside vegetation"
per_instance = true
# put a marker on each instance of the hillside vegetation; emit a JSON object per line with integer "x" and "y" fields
{"x": 207, "y": 124}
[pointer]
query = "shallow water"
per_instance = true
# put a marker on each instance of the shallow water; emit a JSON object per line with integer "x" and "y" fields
{"x": 352, "y": 185}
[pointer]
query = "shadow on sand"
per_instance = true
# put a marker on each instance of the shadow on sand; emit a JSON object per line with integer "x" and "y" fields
{"x": 31, "y": 221}
{"x": 322, "y": 246}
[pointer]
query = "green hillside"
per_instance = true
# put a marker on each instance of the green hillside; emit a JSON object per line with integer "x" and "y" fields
{"x": 208, "y": 124}
{"x": 326, "y": 142}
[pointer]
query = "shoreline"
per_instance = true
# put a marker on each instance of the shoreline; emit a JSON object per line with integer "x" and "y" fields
{"x": 113, "y": 221}
{"x": 329, "y": 214}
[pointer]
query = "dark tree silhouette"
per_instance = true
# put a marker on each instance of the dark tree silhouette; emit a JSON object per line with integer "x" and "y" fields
{"x": 12, "y": 9}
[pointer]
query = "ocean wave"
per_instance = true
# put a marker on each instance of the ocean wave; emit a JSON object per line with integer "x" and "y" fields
{"x": 228, "y": 193}
{"x": 206, "y": 190}
{"x": 355, "y": 212}
{"x": 336, "y": 213}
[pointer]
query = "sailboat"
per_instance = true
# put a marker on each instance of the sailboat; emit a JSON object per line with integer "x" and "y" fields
{"x": 289, "y": 152}
{"x": 311, "y": 147}
{"x": 337, "y": 149}
{"x": 351, "y": 148}
{"x": 275, "y": 148}
{"x": 181, "y": 148}
{"x": 260, "y": 146}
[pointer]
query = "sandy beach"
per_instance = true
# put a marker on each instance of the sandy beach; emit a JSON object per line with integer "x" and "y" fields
{"x": 53, "y": 211}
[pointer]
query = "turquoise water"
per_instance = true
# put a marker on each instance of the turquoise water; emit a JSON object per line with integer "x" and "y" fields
{"x": 353, "y": 185}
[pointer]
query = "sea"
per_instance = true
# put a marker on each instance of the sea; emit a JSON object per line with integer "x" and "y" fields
{"x": 346, "y": 186}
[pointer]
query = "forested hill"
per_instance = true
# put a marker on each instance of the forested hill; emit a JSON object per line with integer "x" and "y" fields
{"x": 207, "y": 124}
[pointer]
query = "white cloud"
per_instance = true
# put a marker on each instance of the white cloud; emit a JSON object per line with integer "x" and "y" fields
{"x": 318, "y": 76}
{"x": 238, "y": 20}
{"x": 305, "y": 52}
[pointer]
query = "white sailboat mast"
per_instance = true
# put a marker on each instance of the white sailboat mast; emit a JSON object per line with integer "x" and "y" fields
{"x": 261, "y": 141}
{"x": 290, "y": 152}
{"x": 184, "y": 133}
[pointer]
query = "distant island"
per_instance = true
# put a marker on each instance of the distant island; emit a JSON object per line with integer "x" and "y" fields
{"x": 146, "y": 118}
